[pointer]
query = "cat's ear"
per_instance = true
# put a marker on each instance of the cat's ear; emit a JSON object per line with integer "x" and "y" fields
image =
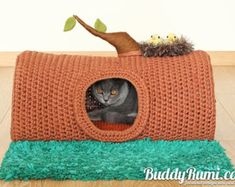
{"x": 118, "y": 81}
{"x": 97, "y": 83}
{"x": 93, "y": 88}
{"x": 124, "y": 87}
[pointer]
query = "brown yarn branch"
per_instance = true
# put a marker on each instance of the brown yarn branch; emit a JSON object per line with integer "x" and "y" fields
{"x": 122, "y": 41}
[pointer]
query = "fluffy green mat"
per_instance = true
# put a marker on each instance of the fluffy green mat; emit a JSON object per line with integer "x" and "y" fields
{"x": 93, "y": 160}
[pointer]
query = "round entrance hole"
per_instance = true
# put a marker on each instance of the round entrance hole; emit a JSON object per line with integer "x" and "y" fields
{"x": 112, "y": 104}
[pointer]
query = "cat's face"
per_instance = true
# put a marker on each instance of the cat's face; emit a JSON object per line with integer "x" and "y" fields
{"x": 110, "y": 91}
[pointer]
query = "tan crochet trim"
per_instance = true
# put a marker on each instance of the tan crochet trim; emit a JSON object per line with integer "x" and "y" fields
{"x": 131, "y": 53}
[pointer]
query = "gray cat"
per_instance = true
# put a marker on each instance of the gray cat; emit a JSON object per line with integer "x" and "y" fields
{"x": 119, "y": 98}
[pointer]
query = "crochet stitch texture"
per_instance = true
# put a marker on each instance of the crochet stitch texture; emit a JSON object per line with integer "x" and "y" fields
{"x": 175, "y": 96}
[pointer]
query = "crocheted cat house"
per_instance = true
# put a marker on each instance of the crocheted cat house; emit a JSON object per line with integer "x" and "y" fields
{"x": 51, "y": 95}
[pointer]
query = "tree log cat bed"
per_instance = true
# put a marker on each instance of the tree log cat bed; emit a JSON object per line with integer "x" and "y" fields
{"x": 175, "y": 94}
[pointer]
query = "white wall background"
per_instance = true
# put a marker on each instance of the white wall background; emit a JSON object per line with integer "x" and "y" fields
{"x": 38, "y": 24}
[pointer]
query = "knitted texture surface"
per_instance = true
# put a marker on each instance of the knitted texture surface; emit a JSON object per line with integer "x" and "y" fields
{"x": 175, "y": 96}
{"x": 93, "y": 160}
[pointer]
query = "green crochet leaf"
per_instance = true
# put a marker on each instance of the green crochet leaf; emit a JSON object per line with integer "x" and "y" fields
{"x": 69, "y": 24}
{"x": 100, "y": 26}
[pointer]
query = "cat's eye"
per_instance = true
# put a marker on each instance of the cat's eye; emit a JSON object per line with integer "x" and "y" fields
{"x": 114, "y": 92}
{"x": 99, "y": 91}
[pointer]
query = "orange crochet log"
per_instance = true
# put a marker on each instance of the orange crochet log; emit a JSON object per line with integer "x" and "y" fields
{"x": 175, "y": 97}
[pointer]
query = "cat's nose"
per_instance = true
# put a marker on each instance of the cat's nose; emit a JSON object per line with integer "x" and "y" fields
{"x": 106, "y": 100}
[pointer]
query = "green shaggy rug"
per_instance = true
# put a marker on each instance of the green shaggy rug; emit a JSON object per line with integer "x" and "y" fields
{"x": 93, "y": 160}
